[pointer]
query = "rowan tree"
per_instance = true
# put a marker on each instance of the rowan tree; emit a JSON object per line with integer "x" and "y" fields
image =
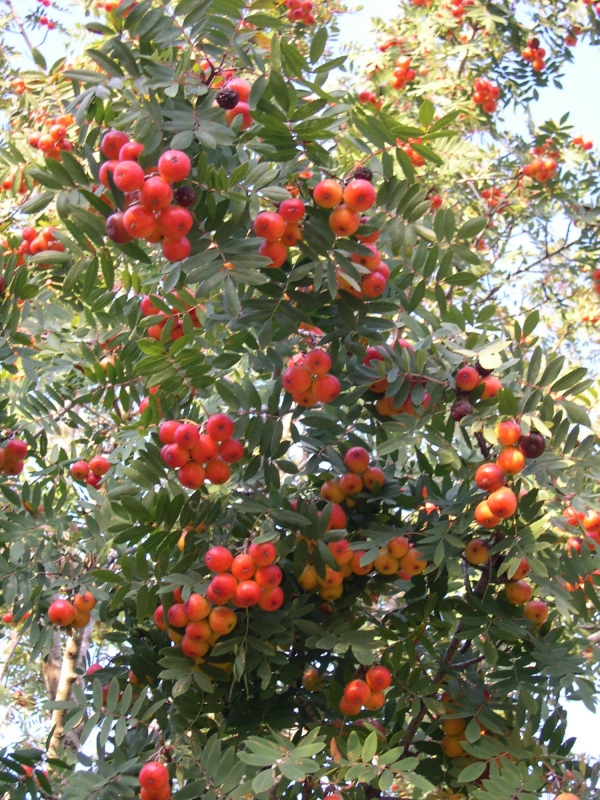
{"x": 298, "y": 417}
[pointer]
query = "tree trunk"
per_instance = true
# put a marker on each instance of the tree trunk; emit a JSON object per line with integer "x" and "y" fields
{"x": 74, "y": 655}
{"x": 51, "y": 666}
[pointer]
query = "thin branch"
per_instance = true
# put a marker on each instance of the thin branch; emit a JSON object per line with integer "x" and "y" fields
{"x": 20, "y": 25}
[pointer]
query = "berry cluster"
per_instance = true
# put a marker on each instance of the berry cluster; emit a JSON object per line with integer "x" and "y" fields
{"x": 300, "y": 11}
{"x": 367, "y": 693}
{"x": 458, "y": 9}
{"x": 347, "y": 202}
{"x": 148, "y": 309}
{"x": 38, "y": 242}
{"x": 541, "y": 169}
{"x": 8, "y": 617}
{"x": 308, "y": 381}
{"x": 12, "y": 456}
{"x": 233, "y": 97}
{"x": 369, "y": 97}
{"x": 43, "y": 20}
{"x": 467, "y": 380}
{"x": 389, "y": 43}
{"x": 280, "y": 229}
{"x": 491, "y": 477}
{"x": 361, "y": 477}
{"x": 197, "y": 456}
{"x": 91, "y": 472}
{"x": 399, "y": 558}
{"x": 534, "y": 55}
{"x": 8, "y": 183}
{"x": 493, "y": 197}
{"x": 109, "y": 6}
{"x": 416, "y": 159}
{"x": 55, "y": 140}
{"x": 148, "y": 196}
{"x": 385, "y": 405}
{"x": 72, "y": 613}
{"x": 154, "y": 776}
{"x": 403, "y": 73}
{"x": 579, "y": 141}
{"x": 486, "y": 95}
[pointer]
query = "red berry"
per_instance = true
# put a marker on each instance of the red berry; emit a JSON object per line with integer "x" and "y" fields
{"x": 219, "y": 427}
{"x": 174, "y": 166}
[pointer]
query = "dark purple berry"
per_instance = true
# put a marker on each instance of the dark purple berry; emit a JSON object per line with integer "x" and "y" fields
{"x": 185, "y": 196}
{"x": 228, "y": 99}
{"x": 363, "y": 174}
{"x": 460, "y": 410}
{"x": 482, "y": 370}
{"x": 2, "y": 284}
{"x": 532, "y": 445}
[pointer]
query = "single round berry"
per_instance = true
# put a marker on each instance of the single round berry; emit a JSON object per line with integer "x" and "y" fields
{"x": 185, "y": 196}
{"x": 363, "y": 173}
{"x": 227, "y": 99}
{"x": 460, "y": 410}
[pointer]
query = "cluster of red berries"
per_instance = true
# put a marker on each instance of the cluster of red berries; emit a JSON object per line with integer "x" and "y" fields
{"x": 300, "y": 11}
{"x": 458, "y": 8}
{"x": 491, "y": 477}
{"x": 38, "y": 242}
{"x": 596, "y": 279}
{"x": 197, "y": 456}
{"x": 374, "y": 282}
{"x": 579, "y": 141}
{"x": 389, "y": 43}
{"x": 154, "y": 776}
{"x": 148, "y": 196}
{"x": 402, "y": 73}
{"x": 280, "y": 229}
{"x": 55, "y": 140}
{"x": 43, "y": 20}
{"x": 541, "y": 169}
{"x": 18, "y": 86}
{"x": 91, "y": 472}
{"x": 12, "y": 456}
{"x": 369, "y": 97}
{"x": 72, "y": 613}
{"x": 486, "y": 95}
{"x": 233, "y": 97}
{"x": 8, "y": 617}
{"x": 247, "y": 579}
{"x": 416, "y": 159}
{"x": 467, "y": 380}
{"x": 308, "y": 381}
{"x": 155, "y": 331}
{"x": 367, "y": 693}
{"x": 422, "y": 3}
{"x": 195, "y": 625}
{"x": 8, "y": 183}
{"x": 493, "y": 197}
{"x": 112, "y": 5}
{"x": 361, "y": 476}
{"x": 534, "y": 55}
{"x": 358, "y": 195}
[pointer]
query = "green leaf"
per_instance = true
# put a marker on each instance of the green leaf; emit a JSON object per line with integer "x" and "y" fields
{"x": 317, "y": 45}
{"x": 426, "y": 113}
{"x": 369, "y": 747}
{"x": 470, "y": 228}
{"x": 472, "y": 772}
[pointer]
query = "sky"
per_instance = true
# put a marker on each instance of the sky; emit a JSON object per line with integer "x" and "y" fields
{"x": 575, "y": 97}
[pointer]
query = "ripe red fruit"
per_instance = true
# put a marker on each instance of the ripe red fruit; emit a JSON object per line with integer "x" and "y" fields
{"x": 317, "y": 362}
{"x": 502, "y": 503}
{"x": 485, "y": 517}
{"x": 276, "y": 251}
{"x": 197, "y": 607}
{"x": 192, "y": 648}
{"x": 492, "y": 386}
{"x": 296, "y": 379}
{"x": 328, "y": 194}
{"x": 15, "y": 450}
{"x": 247, "y": 594}
{"x": 191, "y": 475}
{"x": 79, "y": 470}
{"x": 326, "y": 388}
{"x": 176, "y": 249}
{"x": 128, "y": 176}
{"x": 240, "y": 86}
{"x": 175, "y": 456}
{"x": 153, "y": 775}
{"x": 271, "y": 598}
{"x": 177, "y": 616}
{"x": 338, "y": 519}
{"x": 536, "y": 611}
{"x": 357, "y": 691}
{"x": 131, "y": 151}
{"x": 166, "y": 431}
{"x": 292, "y": 210}
{"x": 231, "y": 450}
{"x": 378, "y": 678}
{"x": 489, "y": 477}
{"x": 61, "y": 613}
{"x": 174, "y": 222}
{"x": 532, "y": 445}
{"x": 518, "y": 592}
{"x": 99, "y": 465}
{"x": 243, "y": 110}
{"x": 359, "y": 195}
{"x": 159, "y": 619}
{"x": 221, "y": 589}
{"x": 357, "y": 459}
{"x": 373, "y": 285}
{"x": 372, "y": 477}
{"x": 219, "y": 427}
{"x": 343, "y": 221}
{"x": 205, "y": 449}
{"x": 351, "y": 484}
{"x": 84, "y": 602}
{"x": 112, "y": 142}
{"x": 243, "y": 567}
{"x": 187, "y": 435}
{"x": 477, "y": 552}
{"x": 108, "y": 166}
{"x": 138, "y": 222}
{"x": 263, "y": 553}
{"x": 508, "y": 432}
{"x": 218, "y": 471}
{"x": 115, "y": 229}
{"x": 467, "y": 378}
{"x": 174, "y": 166}
{"x": 270, "y": 575}
{"x": 218, "y": 559}
{"x": 7, "y": 618}
{"x": 269, "y": 225}
{"x": 156, "y": 194}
